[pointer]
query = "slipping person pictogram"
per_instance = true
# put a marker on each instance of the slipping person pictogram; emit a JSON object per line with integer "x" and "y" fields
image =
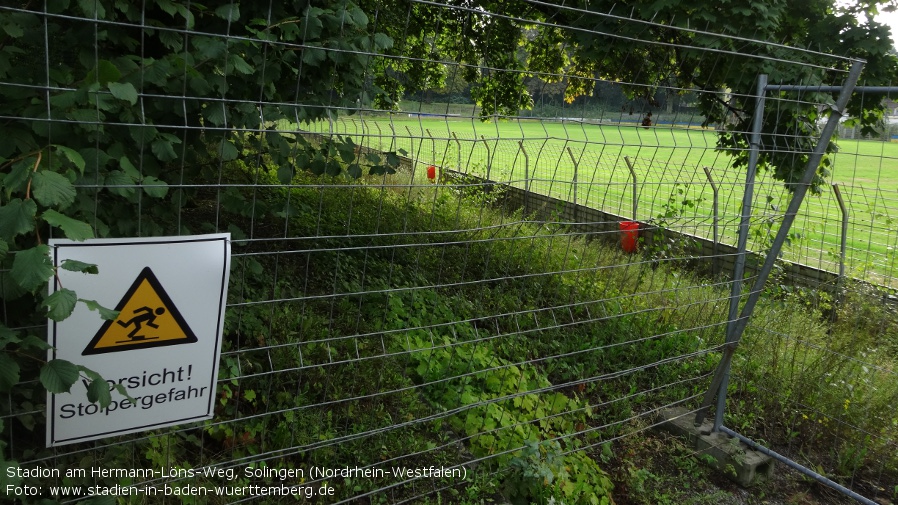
{"x": 146, "y": 316}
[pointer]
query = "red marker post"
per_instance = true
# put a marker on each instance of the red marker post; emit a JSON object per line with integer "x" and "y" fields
{"x": 629, "y": 236}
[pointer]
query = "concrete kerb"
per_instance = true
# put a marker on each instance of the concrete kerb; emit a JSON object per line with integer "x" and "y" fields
{"x": 736, "y": 460}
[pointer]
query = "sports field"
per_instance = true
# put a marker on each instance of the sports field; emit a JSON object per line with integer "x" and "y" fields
{"x": 590, "y": 163}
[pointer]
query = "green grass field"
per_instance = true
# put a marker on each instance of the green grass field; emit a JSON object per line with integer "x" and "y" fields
{"x": 588, "y": 163}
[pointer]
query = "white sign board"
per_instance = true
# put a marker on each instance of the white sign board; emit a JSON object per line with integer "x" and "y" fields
{"x": 164, "y": 345}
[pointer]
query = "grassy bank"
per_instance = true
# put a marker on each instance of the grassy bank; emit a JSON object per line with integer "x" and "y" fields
{"x": 451, "y": 320}
{"x": 547, "y": 156}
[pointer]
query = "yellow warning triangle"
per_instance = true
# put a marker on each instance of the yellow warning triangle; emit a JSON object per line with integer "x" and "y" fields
{"x": 147, "y": 318}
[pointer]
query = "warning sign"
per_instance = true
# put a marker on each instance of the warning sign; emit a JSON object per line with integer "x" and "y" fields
{"x": 163, "y": 347}
{"x": 147, "y": 318}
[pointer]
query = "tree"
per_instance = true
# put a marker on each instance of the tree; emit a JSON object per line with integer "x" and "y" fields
{"x": 667, "y": 53}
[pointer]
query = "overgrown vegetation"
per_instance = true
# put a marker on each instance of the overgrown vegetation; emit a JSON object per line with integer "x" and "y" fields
{"x": 527, "y": 344}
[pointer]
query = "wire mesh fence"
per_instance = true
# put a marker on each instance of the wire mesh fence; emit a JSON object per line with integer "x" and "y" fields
{"x": 586, "y": 164}
{"x": 430, "y": 300}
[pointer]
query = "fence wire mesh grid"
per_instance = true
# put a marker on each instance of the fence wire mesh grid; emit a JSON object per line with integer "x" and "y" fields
{"x": 433, "y": 295}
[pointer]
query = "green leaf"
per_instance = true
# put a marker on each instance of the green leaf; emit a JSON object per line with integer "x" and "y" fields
{"x": 10, "y": 289}
{"x": 58, "y": 375}
{"x": 73, "y": 156}
{"x": 123, "y": 91}
{"x": 4, "y": 248}
{"x": 34, "y": 342}
{"x": 119, "y": 178}
{"x": 13, "y": 30}
{"x": 32, "y": 268}
{"x": 230, "y": 13}
{"x": 313, "y": 56}
{"x": 158, "y": 72}
{"x": 288, "y": 210}
{"x": 92, "y": 9}
{"x": 215, "y": 113}
{"x": 120, "y": 389}
{"x": 52, "y": 189}
{"x": 21, "y": 172}
{"x": 168, "y": 7}
{"x": 60, "y": 304}
{"x": 106, "y": 314}
{"x": 354, "y": 170}
{"x": 378, "y": 169}
{"x": 285, "y": 174}
{"x": 163, "y": 150}
{"x": 86, "y": 116}
{"x": 7, "y": 336}
{"x": 9, "y": 372}
{"x": 73, "y": 228}
{"x": 79, "y": 266}
{"x": 236, "y": 232}
{"x": 16, "y": 218}
{"x": 392, "y": 159}
{"x": 95, "y": 158}
{"x": 69, "y": 99}
{"x": 254, "y": 266}
{"x": 382, "y": 41}
{"x": 91, "y": 374}
{"x": 227, "y": 150}
{"x": 129, "y": 168}
{"x": 241, "y": 65}
{"x": 209, "y": 48}
{"x": 5, "y": 478}
{"x": 333, "y": 168}
{"x": 347, "y": 151}
{"x": 104, "y": 72}
{"x": 154, "y": 187}
{"x": 98, "y": 392}
{"x": 187, "y": 14}
{"x": 317, "y": 164}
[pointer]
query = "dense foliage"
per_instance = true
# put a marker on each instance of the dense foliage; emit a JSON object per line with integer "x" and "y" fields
{"x": 679, "y": 51}
{"x": 121, "y": 113}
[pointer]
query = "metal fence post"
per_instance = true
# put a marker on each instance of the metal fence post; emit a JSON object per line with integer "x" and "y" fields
{"x": 380, "y": 137}
{"x": 489, "y": 157}
{"x": 526, "y": 176}
{"x": 635, "y": 187}
{"x": 365, "y": 141}
{"x": 458, "y": 143}
{"x": 433, "y": 148}
{"x": 412, "y": 153}
{"x": 737, "y": 326}
{"x": 742, "y": 243}
{"x": 715, "y": 219}
{"x": 844, "y": 240}
{"x": 393, "y": 140}
{"x": 445, "y": 153}
{"x": 574, "y": 180}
